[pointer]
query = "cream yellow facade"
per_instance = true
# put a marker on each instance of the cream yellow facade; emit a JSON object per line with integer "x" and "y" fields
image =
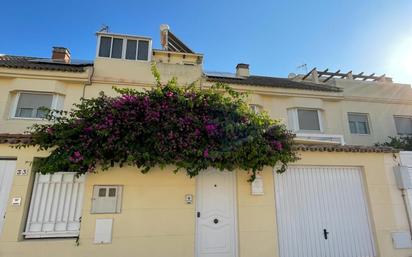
{"x": 381, "y": 101}
{"x": 155, "y": 220}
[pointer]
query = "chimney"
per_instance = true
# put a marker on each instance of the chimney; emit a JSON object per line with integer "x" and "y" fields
{"x": 61, "y": 54}
{"x": 242, "y": 70}
{"x": 164, "y": 29}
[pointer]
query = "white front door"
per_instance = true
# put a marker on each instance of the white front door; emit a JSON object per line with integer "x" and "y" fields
{"x": 216, "y": 214}
{"x": 323, "y": 212}
{"x": 7, "y": 168}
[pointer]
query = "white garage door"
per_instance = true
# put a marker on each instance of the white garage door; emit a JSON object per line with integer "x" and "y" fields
{"x": 406, "y": 160}
{"x": 7, "y": 169}
{"x": 322, "y": 211}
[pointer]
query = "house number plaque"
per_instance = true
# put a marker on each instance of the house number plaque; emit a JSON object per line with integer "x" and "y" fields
{"x": 21, "y": 172}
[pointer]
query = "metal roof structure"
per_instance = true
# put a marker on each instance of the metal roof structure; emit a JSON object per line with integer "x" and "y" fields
{"x": 327, "y": 75}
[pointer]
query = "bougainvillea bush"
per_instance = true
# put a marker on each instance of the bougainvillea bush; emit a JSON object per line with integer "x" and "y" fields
{"x": 399, "y": 142}
{"x": 186, "y": 127}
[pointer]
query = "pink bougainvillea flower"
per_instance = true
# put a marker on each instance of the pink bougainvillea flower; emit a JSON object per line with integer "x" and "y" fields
{"x": 206, "y": 153}
{"x": 210, "y": 129}
{"x": 76, "y": 157}
{"x": 278, "y": 145}
{"x": 88, "y": 129}
{"x": 129, "y": 98}
{"x": 166, "y": 125}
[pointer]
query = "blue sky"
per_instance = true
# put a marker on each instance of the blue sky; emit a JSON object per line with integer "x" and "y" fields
{"x": 274, "y": 37}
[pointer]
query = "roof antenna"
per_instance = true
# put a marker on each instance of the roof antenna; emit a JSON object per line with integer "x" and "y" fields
{"x": 303, "y": 67}
{"x": 104, "y": 28}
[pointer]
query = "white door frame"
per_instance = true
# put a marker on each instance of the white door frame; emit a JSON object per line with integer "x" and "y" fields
{"x": 235, "y": 214}
{"x": 8, "y": 182}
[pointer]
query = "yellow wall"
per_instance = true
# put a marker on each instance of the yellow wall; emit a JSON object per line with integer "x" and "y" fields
{"x": 380, "y": 100}
{"x": 69, "y": 85}
{"x": 156, "y": 221}
{"x": 106, "y": 74}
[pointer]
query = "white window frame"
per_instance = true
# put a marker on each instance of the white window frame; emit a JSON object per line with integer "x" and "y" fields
{"x": 367, "y": 120}
{"x": 256, "y": 108}
{"x": 293, "y": 120}
{"x": 124, "y": 38}
{"x": 401, "y": 116}
{"x": 57, "y": 103}
{"x": 66, "y": 213}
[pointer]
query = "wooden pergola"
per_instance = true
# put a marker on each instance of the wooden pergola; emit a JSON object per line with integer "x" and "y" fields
{"x": 327, "y": 75}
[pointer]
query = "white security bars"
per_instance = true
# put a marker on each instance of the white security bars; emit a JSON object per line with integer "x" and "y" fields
{"x": 55, "y": 206}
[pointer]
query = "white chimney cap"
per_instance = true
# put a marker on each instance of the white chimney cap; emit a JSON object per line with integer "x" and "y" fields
{"x": 164, "y": 27}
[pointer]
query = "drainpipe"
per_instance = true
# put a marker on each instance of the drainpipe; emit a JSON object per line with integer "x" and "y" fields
{"x": 408, "y": 213}
{"x": 89, "y": 79}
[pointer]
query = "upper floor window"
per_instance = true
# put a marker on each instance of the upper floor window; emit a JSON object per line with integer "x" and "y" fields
{"x": 303, "y": 119}
{"x": 124, "y": 48}
{"x": 255, "y": 108}
{"x": 358, "y": 123}
{"x": 31, "y": 105}
{"x": 403, "y": 125}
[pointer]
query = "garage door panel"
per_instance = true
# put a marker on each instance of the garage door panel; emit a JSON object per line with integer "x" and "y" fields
{"x": 312, "y": 200}
{"x": 7, "y": 169}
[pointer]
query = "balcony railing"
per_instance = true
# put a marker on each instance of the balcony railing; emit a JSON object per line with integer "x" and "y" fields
{"x": 309, "y": 138}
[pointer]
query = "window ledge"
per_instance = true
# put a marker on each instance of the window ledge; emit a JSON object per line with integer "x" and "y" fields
{"x": 51, "y": 235}
{"x": 320, "y": 138}
{"x": 311, "y": 132}
{"x": 121, "y": 59}
{"x": 24, "y": 118}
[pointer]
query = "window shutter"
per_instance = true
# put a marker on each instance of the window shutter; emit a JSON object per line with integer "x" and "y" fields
{"x": 55, "y": 206}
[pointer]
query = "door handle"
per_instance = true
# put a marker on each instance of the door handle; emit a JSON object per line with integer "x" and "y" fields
{"x": 325, "y": 234}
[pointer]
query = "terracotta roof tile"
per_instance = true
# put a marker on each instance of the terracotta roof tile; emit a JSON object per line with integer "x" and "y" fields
{"x": 273, "y": 82}
{"x": 345, "y": 148}
{"x": 6, "y": 138}
{"x": 34, "y": 63}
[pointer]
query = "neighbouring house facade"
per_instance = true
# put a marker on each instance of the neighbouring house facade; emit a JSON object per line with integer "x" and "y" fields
{"x": 344, "y": 197}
